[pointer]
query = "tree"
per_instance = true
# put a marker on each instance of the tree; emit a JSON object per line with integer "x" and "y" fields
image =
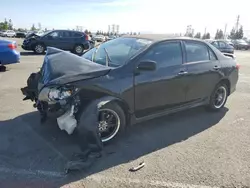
{"x": 4, "y": 25}
{"x": 232, "y": 34}
{"x": 239, "y": 33}
{"x": 134, "y": 33}
{"x": 198, "y": 35}
{"x": 86, "y": 31}
{"x": 208, "y": 36}
{"x": 219, "y": 34}
{"x": 33, "y": 28}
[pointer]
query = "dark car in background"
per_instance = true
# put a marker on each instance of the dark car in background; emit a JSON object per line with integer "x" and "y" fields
{"x": 21, "y": 34}
{"x": 241, "y": 44}
{"x": 135, "y": 78}
{"x": 223, "y": 46}
{"x": 74, "y": 41}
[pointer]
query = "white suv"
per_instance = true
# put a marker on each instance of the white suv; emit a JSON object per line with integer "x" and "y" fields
{"x": 9, "y": 33}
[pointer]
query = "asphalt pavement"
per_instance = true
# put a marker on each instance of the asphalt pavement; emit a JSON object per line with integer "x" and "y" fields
{"x": 188, "y": 149}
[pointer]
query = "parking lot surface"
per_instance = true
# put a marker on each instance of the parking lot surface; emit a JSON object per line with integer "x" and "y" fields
{"x": 189, "y": 149}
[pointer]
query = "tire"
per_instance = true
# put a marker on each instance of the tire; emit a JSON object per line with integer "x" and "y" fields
{"x": 78, "y": 49}
{"x": 39, "y": 48}
{"x": 212, "y": 106}
{"x": 117, "y": 111}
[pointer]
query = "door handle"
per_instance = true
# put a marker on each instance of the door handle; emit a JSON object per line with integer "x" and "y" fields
{"x": 182, "y": 72}
{"x": 216, "y": 67}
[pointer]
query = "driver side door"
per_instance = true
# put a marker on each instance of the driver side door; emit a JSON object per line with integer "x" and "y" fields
{"x": 53, "y": 39}
{"x": 165, "y": 87}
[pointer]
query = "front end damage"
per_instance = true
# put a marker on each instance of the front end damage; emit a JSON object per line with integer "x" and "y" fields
{"x": 52, "y": 88}
{"x": 61, "y": 103}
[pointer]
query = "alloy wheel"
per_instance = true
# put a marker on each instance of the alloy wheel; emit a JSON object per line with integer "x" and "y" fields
{"x": 220, "y": 97}
{"x": 109, "y": 124}
{"x": 79, "y": 49}
{"x": 39, "y": 49}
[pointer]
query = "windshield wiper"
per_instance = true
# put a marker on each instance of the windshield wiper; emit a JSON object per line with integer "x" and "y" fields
{"x": 108, "y": 60}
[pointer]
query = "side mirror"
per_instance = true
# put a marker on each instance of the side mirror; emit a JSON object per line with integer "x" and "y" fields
{"x": 147, "y": 65}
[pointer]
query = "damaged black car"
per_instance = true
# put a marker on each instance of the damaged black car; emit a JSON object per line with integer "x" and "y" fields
{"x": 134, "y": 78}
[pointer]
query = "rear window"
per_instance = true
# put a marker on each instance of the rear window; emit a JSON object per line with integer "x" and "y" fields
{"x": 196, "y": 52}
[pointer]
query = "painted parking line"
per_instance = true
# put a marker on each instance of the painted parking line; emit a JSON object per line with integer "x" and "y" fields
{"x": 25, "y": 172}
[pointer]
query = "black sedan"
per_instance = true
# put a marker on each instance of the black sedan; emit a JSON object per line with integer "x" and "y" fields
{"x": 241, "y": 45}
{"x": 223, "y": 46}
{"x": 134, "y": 78}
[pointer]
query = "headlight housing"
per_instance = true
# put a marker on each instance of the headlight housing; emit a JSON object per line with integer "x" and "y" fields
{"x": 59, "y": 93}
{"x": 54, "y": 94}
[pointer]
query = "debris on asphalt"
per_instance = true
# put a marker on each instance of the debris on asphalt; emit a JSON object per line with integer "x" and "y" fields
{"x": 133, "y": 169}
{"x": 88, "y": 138}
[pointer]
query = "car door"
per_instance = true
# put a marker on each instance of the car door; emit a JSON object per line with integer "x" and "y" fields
{"x": 163, "y": 88}
{"x": 203, "y": 70}
{"x": 53, "y": 39}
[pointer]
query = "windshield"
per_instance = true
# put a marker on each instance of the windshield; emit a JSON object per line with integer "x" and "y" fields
{"x": 118, "y": 50}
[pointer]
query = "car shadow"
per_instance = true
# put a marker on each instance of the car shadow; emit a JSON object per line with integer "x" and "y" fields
{"x": 29, "y": 53}
{"x": 137, "y": 141}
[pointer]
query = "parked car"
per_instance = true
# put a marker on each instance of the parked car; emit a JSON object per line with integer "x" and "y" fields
{"x": 100, "y": 38}
{"x": 8, "y": 33}
{"x": 8, "y": 53}
{"x": 21, "y": 34}
{"x": 135, "y": 78}
{"x": 74, "y": 41}
{"x": 241, "y": 44}
{"x": 223, "y": 46}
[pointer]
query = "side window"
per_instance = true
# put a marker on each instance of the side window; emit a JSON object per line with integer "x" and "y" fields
{"x": 212, "y": 55}
{"x": 165, "y": 54}
{"x": 55, "y": 34}
{"x": 77, "y": 35}
{"x": 66, "y": 34}
{"x": 196, "y": 51}
{"x": 222, "y": 44}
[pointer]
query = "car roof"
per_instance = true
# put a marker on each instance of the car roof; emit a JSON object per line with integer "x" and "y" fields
{"x": 160, "y": 37}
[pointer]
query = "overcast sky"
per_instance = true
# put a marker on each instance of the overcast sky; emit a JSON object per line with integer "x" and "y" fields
{"x": 156, "y": 16}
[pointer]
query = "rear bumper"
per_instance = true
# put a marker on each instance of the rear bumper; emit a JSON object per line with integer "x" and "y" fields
{"x": 10, "y": 57}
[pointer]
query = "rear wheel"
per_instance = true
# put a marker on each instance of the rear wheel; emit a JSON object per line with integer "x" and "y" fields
{"x": 78, "y": 49}
{"x": 39, "y": 48}
{"x": 218, "y": 98}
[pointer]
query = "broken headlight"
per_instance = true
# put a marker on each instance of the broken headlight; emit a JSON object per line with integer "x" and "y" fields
{"x": 55, "y": 94}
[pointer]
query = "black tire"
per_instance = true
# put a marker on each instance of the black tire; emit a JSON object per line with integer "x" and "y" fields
{"x": 39, "y": 48}
{"x": 122, "y": 119}
{"x": 78, "y": 49}
{"x": 212, "y": 106}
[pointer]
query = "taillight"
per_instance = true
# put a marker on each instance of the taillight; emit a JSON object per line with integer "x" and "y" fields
{"x": 237, "y": 66}
{"x": 86, "y": 37}
{"x": 12, "y": 46}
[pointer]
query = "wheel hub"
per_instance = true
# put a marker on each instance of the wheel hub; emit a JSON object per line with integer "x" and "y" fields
{"x": 103, "y": 126}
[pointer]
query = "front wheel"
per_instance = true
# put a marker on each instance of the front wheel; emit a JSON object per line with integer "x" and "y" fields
{"x": 218, "y": 98}
{"x": 112, "y": 121}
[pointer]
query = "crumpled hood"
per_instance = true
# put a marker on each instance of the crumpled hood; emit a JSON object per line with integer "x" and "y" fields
{"x": 32, "y": 35}
{"x": 61, "y": 67}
